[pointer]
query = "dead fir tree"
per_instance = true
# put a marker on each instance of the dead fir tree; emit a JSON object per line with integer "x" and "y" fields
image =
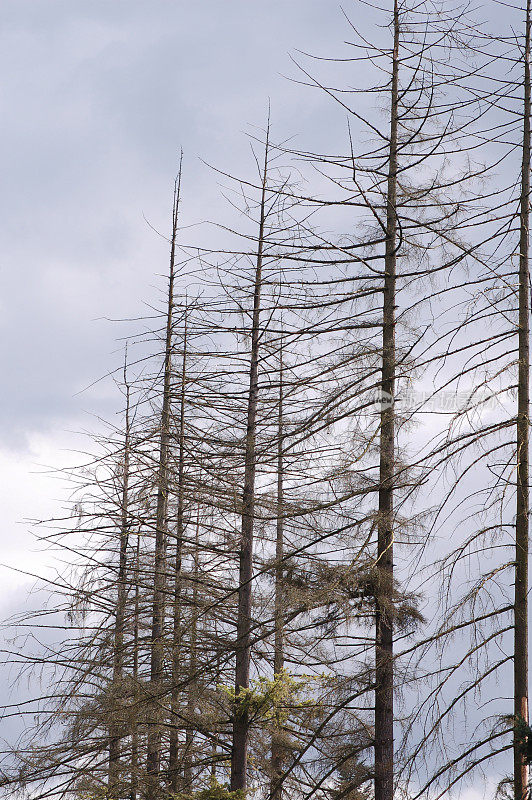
{"x": 418, "y": 218}
{"x": 160, "y": 563}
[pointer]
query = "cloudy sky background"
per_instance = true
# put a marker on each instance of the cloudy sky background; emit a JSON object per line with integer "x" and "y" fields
{"x": 96, "y": 99}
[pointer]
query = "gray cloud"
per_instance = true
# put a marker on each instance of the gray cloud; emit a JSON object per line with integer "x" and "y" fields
{"x": 96, "y": 101}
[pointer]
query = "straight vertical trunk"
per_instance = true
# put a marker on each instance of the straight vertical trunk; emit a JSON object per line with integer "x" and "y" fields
{"x": 276, "y": 790}
{"x": 193, "y": 665}
{"x": 135, "y": 727}
{"x": 115, "y": 731}
{"x": 523, "y": 400}
{"x": 173, "y": 766}
{"x": 215, "y": 738}
{"x": 384, "y": 670}
{"x": 243, "y": 632}
{"x": 153, "y": 761}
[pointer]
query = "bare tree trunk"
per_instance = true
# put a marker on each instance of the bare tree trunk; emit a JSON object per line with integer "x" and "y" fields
{"x": 276, "y": 790}
{"x": 116, "y": 726}
{"x": 384, "y": 670}
{"x": 523, "y": 401}
{"x": 215, "y": 738}
{"x": 135, "y": 730}
{"x": 153, "y": 762}
{"x": 193, "y": 665}
{"x": 243, "y": 633}
{"x": 176, "y": 643}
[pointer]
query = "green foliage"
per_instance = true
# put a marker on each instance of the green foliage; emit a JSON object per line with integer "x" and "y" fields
{"x": 523, "y": 734}
{"x": 216, "y": 791}
{"x": 270, "y": 700}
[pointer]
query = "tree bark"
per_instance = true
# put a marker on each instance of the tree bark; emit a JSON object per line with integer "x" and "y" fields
{"x": 153, "y": 761}
{"x": 384, "y": 669}
{"x": 239, "y": 747}
{"x": 193, "y": 666}
{"x": 135, "y": 725}
{"x": 173, "y": 766}
{"x": 523, "y": 401}
{"x": 276, "y": 789}
{"x": 116, "y": 727}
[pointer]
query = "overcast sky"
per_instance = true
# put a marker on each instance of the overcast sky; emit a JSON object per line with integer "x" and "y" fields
{"x": 97, "y": 98}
